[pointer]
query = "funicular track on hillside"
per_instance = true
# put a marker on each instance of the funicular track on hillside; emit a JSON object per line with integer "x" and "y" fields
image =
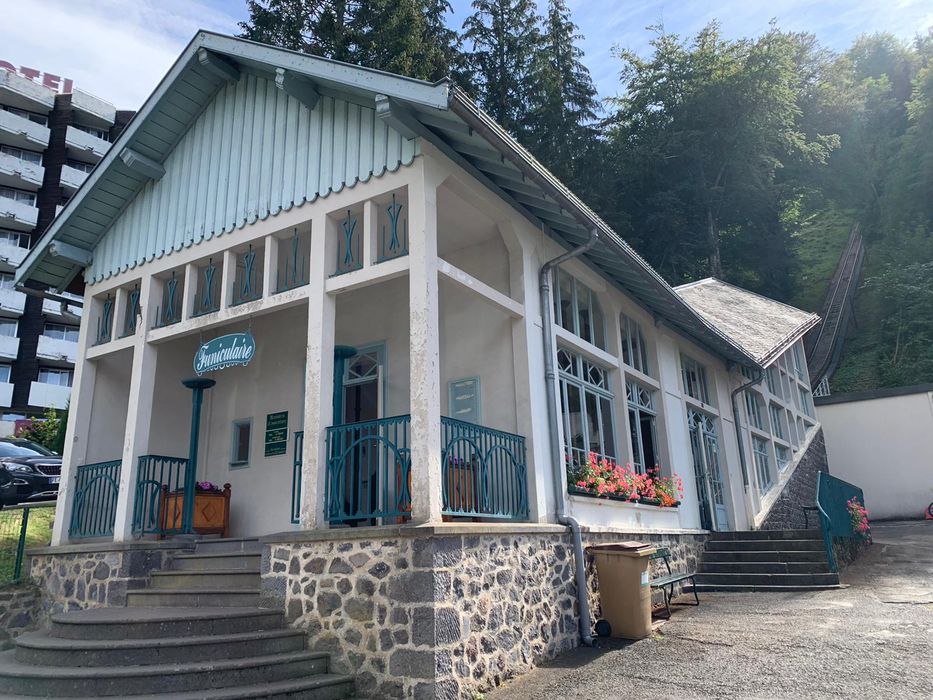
{"x": 824, "y": 343}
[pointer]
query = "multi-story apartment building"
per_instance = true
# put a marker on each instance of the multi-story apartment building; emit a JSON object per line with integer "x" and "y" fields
{"x": 49, "y": 143}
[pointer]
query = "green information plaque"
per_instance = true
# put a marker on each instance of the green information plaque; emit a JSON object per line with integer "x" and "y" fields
{"x": 276, "y": 434}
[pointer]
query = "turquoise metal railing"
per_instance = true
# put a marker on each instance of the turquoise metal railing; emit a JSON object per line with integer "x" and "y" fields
{"x": 159, "y": 496}
{"x": 296, "y": 476}
{"x": 483, "y": 471}
{"x": 832, "y": 498}
{"x": 368, "y": 471}
{"x": 95, "y": 501}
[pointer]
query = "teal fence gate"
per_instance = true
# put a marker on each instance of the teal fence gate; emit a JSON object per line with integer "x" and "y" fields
{"x": 22, "y": 527}
{"x": 832, "y": 498}
{"x": 159, "y": 496}
{"x": 95, "y": 501}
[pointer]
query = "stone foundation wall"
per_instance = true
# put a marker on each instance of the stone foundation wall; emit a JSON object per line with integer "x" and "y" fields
{"x": 20, "y": 611}
{"x": 800, "y": 490}
{"x": 442, "y": 612}
{"x": 74, "y": 577}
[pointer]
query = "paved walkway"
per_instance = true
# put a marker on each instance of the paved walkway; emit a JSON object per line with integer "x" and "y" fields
{"x": 873, "y": 639}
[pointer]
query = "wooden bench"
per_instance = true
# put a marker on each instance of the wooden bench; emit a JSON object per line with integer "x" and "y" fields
{"x": 666, "y": 583}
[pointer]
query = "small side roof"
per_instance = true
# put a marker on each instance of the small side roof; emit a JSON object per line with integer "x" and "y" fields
{"x": 763, "y": 327}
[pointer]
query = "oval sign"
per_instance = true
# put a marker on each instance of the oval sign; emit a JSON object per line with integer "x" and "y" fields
{"x": 225, "y": 351}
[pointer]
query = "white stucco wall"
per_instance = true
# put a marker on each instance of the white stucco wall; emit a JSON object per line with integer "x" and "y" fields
{"x": 108, "y": 409}
{"x": 884, "y": 446}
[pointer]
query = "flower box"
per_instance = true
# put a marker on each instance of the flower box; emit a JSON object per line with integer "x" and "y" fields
{"x": 211, "y": 515}
{"x": 656, "y": 502}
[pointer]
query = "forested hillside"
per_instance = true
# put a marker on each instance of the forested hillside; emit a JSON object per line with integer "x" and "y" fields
{"x": 748, "y": 159}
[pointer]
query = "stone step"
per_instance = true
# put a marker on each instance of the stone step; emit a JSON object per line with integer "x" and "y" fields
{"x": 767, "y": 535}
{"x": 747, "y": 579}
{"x": 766, "y": 567}
{"x": 230, "y": 544}
{"x": 325, "y": 686}
{"x": 763, "y": 545}
{"x": 223, "y": 561}
{"x": 212, "y": 579}
{"x": 23, "y": 679}
{"x": 41, "y": 649}
{"x": 766, "y": 556}
{"x": 710, "y": 588}
{"x": 193, "y": 598}
{"x": 155, "y": 622}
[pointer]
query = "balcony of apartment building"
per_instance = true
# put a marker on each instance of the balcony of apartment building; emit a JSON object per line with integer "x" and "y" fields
{"x": 11, "y": 301}
{"x": 9, "y": 339}
{"x": 58, "y": 344}
{"x": 18, "y": 209}
{"x": 61, "y": 310}
{"x": 6, "y": 386}
{"x": 22, "y": 93}
{"x": 92, "y": 110}
{"x": 86, "y": 144}
{"x": 20, "y": 169}
{"x": 52, "y": 389}
{"x": 14, "y": 245}
{"x": 23, "y": 129}
{"x": 74, "y": 173}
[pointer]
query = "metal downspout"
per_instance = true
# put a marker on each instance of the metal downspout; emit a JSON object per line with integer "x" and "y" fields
{"x": 738, "y": 423}
{"x": 550, "y": 377}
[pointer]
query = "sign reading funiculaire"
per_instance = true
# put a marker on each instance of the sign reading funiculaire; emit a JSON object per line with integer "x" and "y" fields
{"x": 225, "y": 351}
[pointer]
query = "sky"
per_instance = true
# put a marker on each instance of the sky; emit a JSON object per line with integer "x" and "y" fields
{"x": 120, "y": 49}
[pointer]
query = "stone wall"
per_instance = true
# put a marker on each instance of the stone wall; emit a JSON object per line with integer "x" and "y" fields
{"x": 20, "y": 611}
{"x": 74, "y": 577}
{"x": 445, "y": 612}
{"x": 800, "y": 490}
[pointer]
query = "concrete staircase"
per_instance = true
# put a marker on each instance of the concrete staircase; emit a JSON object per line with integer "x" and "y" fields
{"x": 765, "y": 560}
{"x": 195, "y": 632}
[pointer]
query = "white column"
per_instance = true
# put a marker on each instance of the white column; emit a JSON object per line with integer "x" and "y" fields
{"x": 138, "y": 413}
{"x": 79, "y": 422}
{"x": 319, "y": 377}
{"x": 424, "y": 353}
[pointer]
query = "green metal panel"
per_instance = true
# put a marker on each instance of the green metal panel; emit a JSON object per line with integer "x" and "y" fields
{"x": 252, "y": 153}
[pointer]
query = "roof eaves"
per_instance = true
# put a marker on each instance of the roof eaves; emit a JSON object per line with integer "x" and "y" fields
{"x": 781, "y": 346}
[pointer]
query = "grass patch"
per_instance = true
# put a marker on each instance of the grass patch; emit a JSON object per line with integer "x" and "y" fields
{"x": 816, "y": 249}
{"x": 38, "y": 534}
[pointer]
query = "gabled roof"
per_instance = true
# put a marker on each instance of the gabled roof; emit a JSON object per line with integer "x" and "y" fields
{"x": 765, "y": 328}
{"x": 438, "y": 113}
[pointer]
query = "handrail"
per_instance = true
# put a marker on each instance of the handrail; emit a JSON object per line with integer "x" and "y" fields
{"x": 832, "y": 499}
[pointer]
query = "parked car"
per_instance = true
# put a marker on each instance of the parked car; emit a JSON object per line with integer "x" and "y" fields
{"x": 28, "y": 472}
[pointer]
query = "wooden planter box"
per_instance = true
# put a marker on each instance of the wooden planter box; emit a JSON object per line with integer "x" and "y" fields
{"x": 211, "y": 511}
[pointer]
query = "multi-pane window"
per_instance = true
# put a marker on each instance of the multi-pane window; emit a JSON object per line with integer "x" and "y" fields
{"x": 777, "y": 421}
{"x": 78, "y": 165}
{"x": 806, "y": 402}
{"x": 57, "y": 377}
{"x": 8, "y": 327}
{"x": 704, "y": 444}
{"x": 782, "y": 455}
{"x": 17, "y": 238}
{"x": 18, "y": 195}
{"x": 798, "y": 360}
{"x": 774, "y": 381}
{"x": 634, "y": 348}
{"x": 5, "y": 373}
{"x": 642, "y": 422}
{"x": 586, "y": 407}
{"x": 61, "y": 332}
{"x": 694, "y": 375}
{"x": 99, "y": 133}
{"x": 27, "y": 156}
{"x": 753, "y": 408}
{"x": 762, "y": 464}
{"x": 31, "y": 116}
{"x": 576, "y": 309}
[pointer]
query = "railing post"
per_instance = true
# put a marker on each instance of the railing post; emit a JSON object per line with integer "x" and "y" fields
{"x": 21, "y": 546}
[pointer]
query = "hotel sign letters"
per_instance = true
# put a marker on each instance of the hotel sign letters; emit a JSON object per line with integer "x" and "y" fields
{"x": 225, "y": 351}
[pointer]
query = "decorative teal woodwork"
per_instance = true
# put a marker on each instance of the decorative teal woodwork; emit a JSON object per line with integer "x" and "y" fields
{"x": 132, "y": 312}
{"x": 368, "y": 471}
{"x": 208, "y": 298}
{"x": 349, "y": 255}
{"x": 247, "y": 286}
{"x": 156, "y": 477}
{"x": 832, "y": 498}
{"x": 95, "y": 501}
{"x": 293, "y": 270}
{"x": 170, "y": 311}
{"x": 296, "y": 476}
{"x": 394, "y": 241}
{"x": 248, "y": 260}
{"x": 483, "y": 472}
{"x": 297, "y": 155}
{"x": 105, "y": 322}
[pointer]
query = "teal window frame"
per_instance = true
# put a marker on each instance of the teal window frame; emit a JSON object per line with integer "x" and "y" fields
{"x": 236, "y": 463}
{"x": 568, "y": 293}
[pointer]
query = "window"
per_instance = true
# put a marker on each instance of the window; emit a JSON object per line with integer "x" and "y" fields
{"x": 798, "y": 360}
{"x": 17, "y": 238}
{"x": 774, "y": 381}
{"x": 704, "y": 444}
{"x": 463, "y": 399}
{"x": 634, "y": 348}
{"x": 6, "y": 280}
{"x": 753, "y": 408}
{"x": 99, "y": 133}
{"x": 694, "y": 375}
{"x": 61, "y": 332}
{"x": 27, "y": 156}
{"x": 78, "y": 165}
{"x": 31, "y": 116}
{"x": 586, "y": 406}
{"x": 782, "y": 455}
{"x": 8, "y": 327}
{"x": 577, "y": 310}
{"x": 5, "y": 373}
{"x": 242, "y": 433}
{"x": 777, "y": 421}
{"x": 806, "y": 401}
{"x": 762, "y": 464}
{"x": 56, "y": 377}
{"x": 18, "y": 195}
{"x": 642, "y": 423}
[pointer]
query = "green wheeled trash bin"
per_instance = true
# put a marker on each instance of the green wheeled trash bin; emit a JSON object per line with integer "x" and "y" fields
{"x": 624, "y": 587}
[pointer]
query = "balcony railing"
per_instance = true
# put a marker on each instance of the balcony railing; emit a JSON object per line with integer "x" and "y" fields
{"x": 158, "y": 476}
{"x": 95, "y": 501}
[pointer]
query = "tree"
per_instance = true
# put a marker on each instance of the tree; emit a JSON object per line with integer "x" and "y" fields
{"x": 319, "y": 27}
{"x": 48, "y": 431}
{"x": 504, "y": 36}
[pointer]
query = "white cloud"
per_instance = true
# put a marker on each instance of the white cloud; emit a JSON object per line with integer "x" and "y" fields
{"x": 115, "y": 49}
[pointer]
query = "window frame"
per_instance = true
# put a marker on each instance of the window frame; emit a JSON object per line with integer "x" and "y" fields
{"x": 236, "y": 425}
{"x": 752, "y": 398}
{"x": 761, "y": 453}
{"x": 578, "y": 378}
{"x": 687, "y": 364}
{"x": 635, "y": 411}
{"x": 57, "y": 371}
{"x": 634, "y": 345}
{"x": 594, "y": 309}
{"x": 9, "y": 371}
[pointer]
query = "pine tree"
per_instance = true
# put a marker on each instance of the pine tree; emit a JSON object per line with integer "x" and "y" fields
{"x": 562, "y": 122}
{"x": 505, "y": 37}
{"x": 319, "y": 27}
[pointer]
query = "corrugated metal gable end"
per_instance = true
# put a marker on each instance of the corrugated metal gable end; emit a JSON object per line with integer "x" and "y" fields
{"x": 253, "y": 152}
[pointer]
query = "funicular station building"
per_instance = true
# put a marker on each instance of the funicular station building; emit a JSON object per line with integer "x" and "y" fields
{"x": 322, "y": 285}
